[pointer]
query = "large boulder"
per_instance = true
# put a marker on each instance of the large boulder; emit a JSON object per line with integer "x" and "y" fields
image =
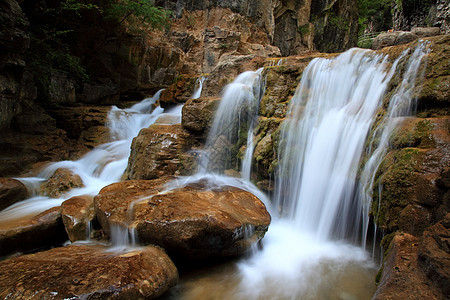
{"x": 159, "y": 150}
{"x": 88, "y": 272}
{"x": 11, "y": 191}
{"x": 31, "y": 233}
{"x": 192, "y": 221}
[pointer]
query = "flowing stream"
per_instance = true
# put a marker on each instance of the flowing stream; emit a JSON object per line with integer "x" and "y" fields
{"x": 319, "y": 206}
{"x": 320, "y": 217}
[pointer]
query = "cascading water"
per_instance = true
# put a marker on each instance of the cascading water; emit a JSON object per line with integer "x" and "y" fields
{"x": 103, "y": 165}
{"x": 322, "y": 141}
{"x": 401, "y": 105}
{"x": 234, "y": 122}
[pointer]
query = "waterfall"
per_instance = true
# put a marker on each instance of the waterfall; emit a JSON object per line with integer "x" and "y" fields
{"x": 233, "y": 125}
{"x": 198, "y": 87}
{"x": 102, "y": 166}
{"x": 402, "y": 104}
{"x": 328, "y": 121}
{"x": 317, "y": 203}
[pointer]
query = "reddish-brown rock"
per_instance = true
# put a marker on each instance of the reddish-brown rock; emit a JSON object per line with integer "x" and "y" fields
{"x": 193, "y": 221}
{"x": 11, "y": 191}
{"x": 402, "y": 276}
{"x": 434, "y": 254}
{"x": 158, "y": 151}
{"x": 77, "y": 213}
{"x": 30, "y": 233}
{"x": 88, "y": 272}
{"x": 198, "y": 114}
{"x": 62, "y": 181}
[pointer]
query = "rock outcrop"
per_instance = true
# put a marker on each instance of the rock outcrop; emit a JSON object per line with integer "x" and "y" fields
{"x": 88, "y": 271}
{"x": 194, "y": 221}
{"x": 31, "y": 233}
{"x": 158, "y": 151}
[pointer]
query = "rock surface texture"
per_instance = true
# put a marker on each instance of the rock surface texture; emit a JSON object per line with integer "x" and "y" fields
{"x": 88, "y": 272}
{"x": 193, "y": 221}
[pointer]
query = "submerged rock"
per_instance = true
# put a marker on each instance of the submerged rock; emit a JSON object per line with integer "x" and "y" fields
{"x": 88, "y": 272}
{"x": 30, "y": 233}
{"x": 193, "y": 221}
{"x": 11, "y": 191}
{"x": 62, "y": 181}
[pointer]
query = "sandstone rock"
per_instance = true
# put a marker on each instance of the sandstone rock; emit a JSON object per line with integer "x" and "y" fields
{"x": 198, "y": 114}
{"x": 11, "y": 191}
{"x": 426, "y": 31}
{"x": 100, "y": 94}
{"x": 62, "y": 181}
{"x": 194, "y": 221}
{"x": 157, "y": 151}
{"x": 178, "y": 92}
{"x": 393, "y": 39}
{"x": 402, "y": 276}
{"x": 434, "y": 254}
{"x": 30, "y": 233}
{"x": 77, "y": 213}
{"x": 88, "y": 272}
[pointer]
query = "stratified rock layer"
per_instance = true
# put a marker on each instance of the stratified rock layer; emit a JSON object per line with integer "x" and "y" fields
{"x": 193, "y": 221}
{"x": 88, "y": 272}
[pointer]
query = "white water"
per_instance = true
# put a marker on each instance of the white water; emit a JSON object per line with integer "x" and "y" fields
{"x": 102, "y": 166}
{"x": 235, "y": 117}
{"x": 322, "y": 141}
{"x": 402, "y": 104}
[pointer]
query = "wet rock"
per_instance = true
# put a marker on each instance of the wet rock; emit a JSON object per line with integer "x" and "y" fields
{"x": 198, "y": 114}
{"x": 393, "y": 39}
{"x": 193, "y": 221}
{"x": 178, "y": 92}
{"x": 402, "y": 276}
{"x": 159, "y": 150}
{"x": 61, "y": 182}
{"x": 88, "y": 272}
{"x": 30, "y": 233}
{"x": 434, "y": 254}
{"x": 11, "y": 191}
{"x": 77, "y": 213}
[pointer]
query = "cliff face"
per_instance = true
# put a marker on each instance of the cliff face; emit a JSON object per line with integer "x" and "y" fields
{"x": 409, "y": 14}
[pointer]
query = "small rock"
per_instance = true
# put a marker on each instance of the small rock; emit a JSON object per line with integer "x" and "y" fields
{"x": 62, "y": 181}
{"x": 77, "y": 213}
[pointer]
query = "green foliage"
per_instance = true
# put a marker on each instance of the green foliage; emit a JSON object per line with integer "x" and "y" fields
{"x": 139, "y": 14}
{"x": 376, "y": 12}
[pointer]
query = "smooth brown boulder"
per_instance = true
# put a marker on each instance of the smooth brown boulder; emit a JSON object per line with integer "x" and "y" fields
{"x": 77, "y": 212}
{"x": 62, "y": 181}
{"x": 11, "y": 191}
{"x": 88, "y": 272}
{"x": 192, "y": 221}
{"x": 31, "y": 233}
{"x": 393, "y": 39}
